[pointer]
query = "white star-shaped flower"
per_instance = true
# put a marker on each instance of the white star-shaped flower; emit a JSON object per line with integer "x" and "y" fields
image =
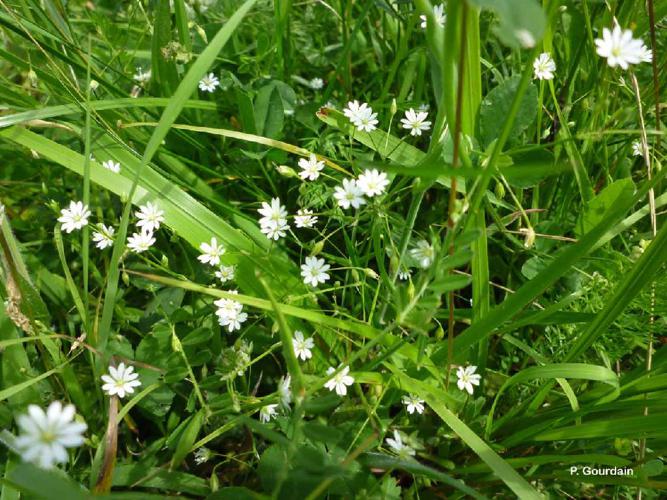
{"x": 637, "y": 149}
{"x": 142, "y": 76}
{"x": 74, "y": 217}
{"x": 340, "y": 381}
{"x": 209, "y": 83}
{"x": 103, "y": 237}
{"x": 140, "y": 242}
{"x": 150, "y": 217}
{"x": 438, "y": 13}
{"x": 467, "y": 378}
{"x": 620, "y": 48}
{"x": 273, "y": 222}
{"x": 366, "y": 120}
{"x": 316, "y": 83}
{"x": 45, "y": 436}
{"x": 372, "y": 182}
{"x": 399, "y": 447}
{"x": 415, "y": 122}
{"x": 305, "y": 218}
{"x": 310, "y": 168}
{"x": 424, "y": 253}
{"x": 544, "y": 67}
{"x": 211, "y": 252}
{"x": 314, "y": 271}
{"x": 285, "y": 391}
{"x": 120, "y": 381}
{"x": 225, "y": 273}
{"x": 302, "y": 346}
{"x": 349, "y": 195}
{"x": 413, "y": 404}
{"x": 268, "y": 412}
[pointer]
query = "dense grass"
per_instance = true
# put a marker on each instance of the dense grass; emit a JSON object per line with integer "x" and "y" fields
{"x": 522, "y": 233}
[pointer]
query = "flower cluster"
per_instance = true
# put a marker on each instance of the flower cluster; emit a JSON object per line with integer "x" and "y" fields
{"x": 230, "y": 313}
{"x": 150, "y": 217}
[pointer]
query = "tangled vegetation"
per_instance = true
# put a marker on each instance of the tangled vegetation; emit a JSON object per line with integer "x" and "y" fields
{"x": 333, "y": 249}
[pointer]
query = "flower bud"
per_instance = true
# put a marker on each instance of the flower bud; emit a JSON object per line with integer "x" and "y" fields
{"x": 286, "y": 171}
{"x": 371, "y": 274}
{"x": 317, "y": 248}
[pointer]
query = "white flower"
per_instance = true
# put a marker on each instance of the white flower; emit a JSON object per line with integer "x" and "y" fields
{"x": 314, "y": 271}
{"x": 75, "y": 217}
{"x": 646, "y": 54}
{"x": 372, "y": 182}
{"x": 404, "y": 275}
{"x": 637, "y": 149}
{"x": 310, "y": 168}
{"x": 203, "y": 455}
{"x": 227, "y": 305}
{"x": 302, "y": 346}
{"x": 438, "y": 13}
{"x": 209, "y": 83}
{"x": 121, "y": 380}
{"x": 284, "y": 391}
{"x": 413, "y": 404}
{"x": 397, "y": 446}
{"x": 150, "y": 217}
{"x": 544, "y": 67}
{"x": 349, "y": 195}
{"x": 211, "y": 252}
{"x": 140, "y": 242}
{"x": 141, "y": 77}
{"x": 619, "y": 48}
{"x": 233, "y": 320}
{"x": 316, "y": 83}
{"x": 103, "y": 237}
{"x": 366, "y": 120}
{"x": 353, "y": 109}
{"x": 467, "y": 378}
{"x": 112, "y": 165}
{"x": 45, "y": 436}
{"x": 275, "y": 231}
{"x": 230, "y": 313}
{"x": 424, "y": 253}
{"x": 266, "y": 413}
{"x": 361, "y": 116}
{"x": 305, "y": 218}
{"x": 274, "y": 220}
{"x": 415, "y": 122}
{"x": 225, "y": 273}
{"x": 340, "y": 381}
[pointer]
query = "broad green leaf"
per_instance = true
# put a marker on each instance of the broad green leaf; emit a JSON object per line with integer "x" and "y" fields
{"x": 269, "y": 111}
{"x": 187, "y": 439}
{"x": 38, "y": 483}
{"x": 495, "y": 107}
{"x": 602, "y": 202}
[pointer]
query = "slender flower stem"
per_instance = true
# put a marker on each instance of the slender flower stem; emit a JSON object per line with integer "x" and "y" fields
{"x": 451, "y": 210}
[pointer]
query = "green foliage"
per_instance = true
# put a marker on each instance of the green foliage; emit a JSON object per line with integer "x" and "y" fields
{"x": 520, "y": 233}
